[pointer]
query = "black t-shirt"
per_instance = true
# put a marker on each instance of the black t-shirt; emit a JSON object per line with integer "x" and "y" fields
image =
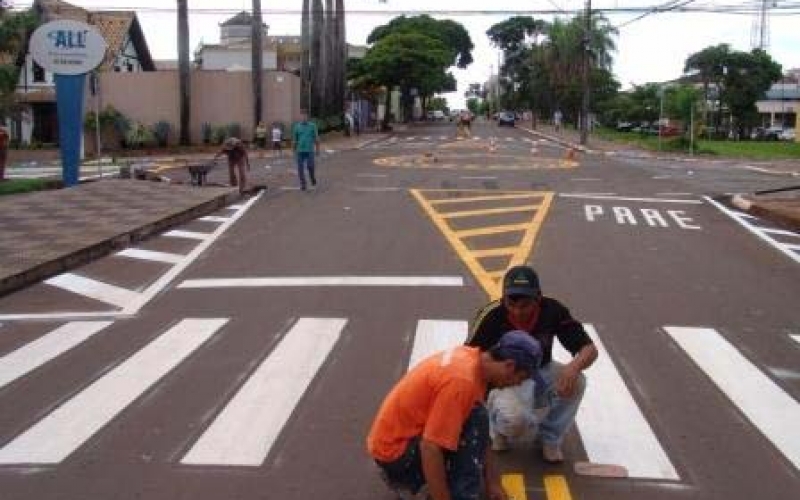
{"x": 554, "y": 321}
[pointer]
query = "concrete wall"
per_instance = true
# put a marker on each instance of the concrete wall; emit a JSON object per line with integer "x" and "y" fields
{"x": 225, "y": 58}
{"x": 217, "y": 97}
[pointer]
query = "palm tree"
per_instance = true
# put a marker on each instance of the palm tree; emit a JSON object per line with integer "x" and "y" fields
{"x": 184, "y": 83}
{"x": 305, "y": 43}
{"x": 317, "y": 62}
{"x": 257, "y": 54}
{"x": 340, "y": 67}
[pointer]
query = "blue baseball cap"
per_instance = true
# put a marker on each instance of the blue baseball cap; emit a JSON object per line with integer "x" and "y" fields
{"x": 524, "y": 350}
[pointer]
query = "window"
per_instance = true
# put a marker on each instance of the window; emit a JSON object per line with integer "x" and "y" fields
{"x": 39, "y": 75}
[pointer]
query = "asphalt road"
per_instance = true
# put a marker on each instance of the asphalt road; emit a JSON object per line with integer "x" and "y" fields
{"x": 244, "y": 356}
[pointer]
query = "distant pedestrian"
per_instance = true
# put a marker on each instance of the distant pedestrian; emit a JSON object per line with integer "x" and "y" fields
{"x": 305, "y": 140}
{"x": 236, "y": 152}
{"x": 557, "y": 117}
{"x": 261, "y": 136}
{"x": 4, "y": 140}
{"x": 277, "y": 140}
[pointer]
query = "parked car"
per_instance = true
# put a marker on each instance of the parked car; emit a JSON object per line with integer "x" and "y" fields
{"x": 766, "y": 134}
{"x": 624, "y": 126}
{"x": 788, "y": 134}
{"x": 506, "y": 118}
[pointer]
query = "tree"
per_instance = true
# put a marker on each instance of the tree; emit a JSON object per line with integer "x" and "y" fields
{"x": 184, "y": 82}
{"x": 256, "y": 47}
{"x": 474, "y": 105}
{"x": 15, "y": 29}
{"x": 317, "y": 63}
{"x": 405, "y": 60}
{"x": 305, "y": 61}
{"x": 709, "y": 66}
{"x": 747, "y": 77}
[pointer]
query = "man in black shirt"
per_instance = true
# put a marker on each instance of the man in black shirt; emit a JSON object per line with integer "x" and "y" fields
{"x": 523, "y": 307}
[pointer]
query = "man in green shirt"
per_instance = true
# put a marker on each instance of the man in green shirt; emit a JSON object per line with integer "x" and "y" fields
{"x": 306, "y": 143}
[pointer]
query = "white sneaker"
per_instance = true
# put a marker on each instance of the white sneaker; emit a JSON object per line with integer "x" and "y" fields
{"x": 552, "y": 453}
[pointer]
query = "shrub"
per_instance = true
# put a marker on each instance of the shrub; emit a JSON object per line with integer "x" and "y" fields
{"x": 206, "y": 131}
{"x": 161, "y": 132}
{"x": 139, "y": 136}
{"x": 218, "y": 134}
{"x": 233, "y": 129}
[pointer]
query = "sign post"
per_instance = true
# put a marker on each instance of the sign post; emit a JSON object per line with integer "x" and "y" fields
{"x": 68, "y": 49}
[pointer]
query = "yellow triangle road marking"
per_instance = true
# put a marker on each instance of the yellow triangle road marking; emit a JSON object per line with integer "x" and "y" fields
{"x": 482, "y": 223}
{"x": 514, "y": 485}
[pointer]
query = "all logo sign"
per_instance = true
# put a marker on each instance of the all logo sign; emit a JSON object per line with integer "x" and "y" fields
{"x": 67, "y": 47}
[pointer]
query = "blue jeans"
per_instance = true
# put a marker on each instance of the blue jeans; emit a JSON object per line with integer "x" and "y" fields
{"x": 464, "y": 467}
{"x": 305, "y": 160}
{"x": 560, "y": 411}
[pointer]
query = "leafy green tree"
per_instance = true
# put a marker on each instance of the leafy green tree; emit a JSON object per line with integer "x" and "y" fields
{"x": 15, "y": 28}
{"x": 406, "y": 60}
{"x": 437, "y": 103}
{"x": 450, "y": 33}
{"x": 747, "y": 77}
{"x": 474, "y": 105}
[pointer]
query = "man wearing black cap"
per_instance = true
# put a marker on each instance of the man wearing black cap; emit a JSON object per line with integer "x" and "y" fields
{"x": 433, "y": 428}
{"x": 523, "y": 307}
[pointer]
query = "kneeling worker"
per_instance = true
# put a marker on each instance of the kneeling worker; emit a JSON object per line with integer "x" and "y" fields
{"x": 523, "y": 307}
{"x": 433, "y": 427}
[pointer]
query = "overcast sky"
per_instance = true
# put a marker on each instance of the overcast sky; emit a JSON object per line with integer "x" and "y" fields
{"x": 648, "y": 50}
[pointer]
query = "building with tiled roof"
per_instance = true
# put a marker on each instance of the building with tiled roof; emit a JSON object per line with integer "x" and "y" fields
{"x": 127, "y": 52}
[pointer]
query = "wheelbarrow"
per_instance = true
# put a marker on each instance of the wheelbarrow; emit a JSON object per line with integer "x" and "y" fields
{"x": 199, "y": 171}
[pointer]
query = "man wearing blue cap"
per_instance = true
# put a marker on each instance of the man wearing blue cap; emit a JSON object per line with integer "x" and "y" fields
{"x": 523, "y": 307}
{"x": 433, "y": 428}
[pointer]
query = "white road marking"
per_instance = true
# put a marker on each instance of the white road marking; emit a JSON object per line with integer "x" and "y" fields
{"x": 213, "y": 218}
{"x": 237, "y": 206}
{"x": 758, "y": 231}
{"x": 622, "y": 198}
{"x": 774, "y": 412}
{"x": 377, "y": 189}
{"x": 190, "y": 235}
{"x": 290, "y": 188}
{"x": 244, "y": 432}
{"x": 433, "y": 336}
{"x": 138, "y": 253}
{"x": 796, "y": 338}
{"x": 373, "y": 175}
{"x": 675, "y": 194}
{"x": 324, "y": 281}
{"x": 586, "y": 195}
{"x": 61, "y": 432}
{"x": 781, "y": 232}
{"x": 606, "y": 405}
{"x": 94, "y": 289}
{"x": 34, "y": 354}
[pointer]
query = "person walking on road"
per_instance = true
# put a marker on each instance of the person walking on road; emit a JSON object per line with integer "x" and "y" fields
{"x": 557, "y": 118}
{"x": 523, "y": 307}
{"x": 5, "y": 139}
{"x": 433, "y": 428}
{"x": 235, "y": 150}
{"x": 277, "y": 140}
{"x": 261, "y": 136}
{"x": 305, "y": 139}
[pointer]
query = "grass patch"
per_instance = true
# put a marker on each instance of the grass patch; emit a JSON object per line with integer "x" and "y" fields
{"x": 16, "y": 186}
{"x": 752, "y": 150}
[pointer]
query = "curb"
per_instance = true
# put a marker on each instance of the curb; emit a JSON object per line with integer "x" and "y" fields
{"x": 557, "y": 140}
{"x": 85, "y": 255}
{"x": 748, "y": 206}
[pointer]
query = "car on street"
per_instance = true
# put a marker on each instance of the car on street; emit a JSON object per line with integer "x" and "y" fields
{"x": 788, "y": 134}
{"x": 506, "y": 118}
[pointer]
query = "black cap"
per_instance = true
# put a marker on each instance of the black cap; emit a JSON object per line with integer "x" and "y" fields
{"x": 521, "y": 280}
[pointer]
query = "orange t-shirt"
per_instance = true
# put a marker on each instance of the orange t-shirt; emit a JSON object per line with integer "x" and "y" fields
{"x": 433, "y": 400}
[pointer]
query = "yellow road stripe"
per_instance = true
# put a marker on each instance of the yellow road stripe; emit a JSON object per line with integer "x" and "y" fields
{"x": 472, "y": 264}
{"x": 514, "y": 484}
{"x": 496, "y": 274}
{"x": 494, "y": 252}
{"x": 490, "y": 211}
{"x": 525, "y": 248}
{"x": 487, "y": 231}
{"x": 485, "y": 198}
{"x": 556, "y": 488}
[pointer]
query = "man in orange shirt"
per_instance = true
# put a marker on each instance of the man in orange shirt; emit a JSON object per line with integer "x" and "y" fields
{"x": 433, "y": 427}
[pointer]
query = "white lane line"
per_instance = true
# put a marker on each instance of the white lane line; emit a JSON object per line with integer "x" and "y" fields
{"x": 290, "y": 188}
{"x": 61, "y": 432}
{"x": 34, "y": 354}
{"x": 623, "y": 198}
{"x": 587, "y": 195}
{"x": 675, "y": 194}
{"x": 214, "y": 218}
{"x": 190, "y": 235}
{"x": 138, "y": 253}
{"x": 791, "y": 246}
{"x": 754, "y": 229}
{"x": 433, "y": 336}
{"x": 606, "y": 405}
{"x": 94, "y": 289}
{"x": 325, "y": 281}
{"x": 774, "y": 412}
{"x": 479, "y": 177}
{"x": 244, "y": 432}
{"x": 442, "y": 137}
{"x": 796, "y": 338}
{"x": 237, "y": 206}
{"x": 373, "y": 175}
{"x": 781, "y": 232}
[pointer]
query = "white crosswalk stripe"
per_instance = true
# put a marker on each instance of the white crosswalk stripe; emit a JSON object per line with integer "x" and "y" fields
{"x": 70, "y": 425}
{"x": 33, "y": 355}
{"x": 607, "y": 402}
{"x": 140, "y": 254}
{"x": 762, "y": 401}
{"x": 244, "y": 432}
{"x": 434, "y": 336}
{"x": 94, "y": 289}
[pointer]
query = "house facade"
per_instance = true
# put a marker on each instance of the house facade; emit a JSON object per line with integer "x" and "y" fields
{"x": 127, "y": 53}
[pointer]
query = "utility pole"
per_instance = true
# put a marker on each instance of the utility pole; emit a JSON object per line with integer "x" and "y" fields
{"x": 257, "y": 55}
{"x": 585, "y": 104}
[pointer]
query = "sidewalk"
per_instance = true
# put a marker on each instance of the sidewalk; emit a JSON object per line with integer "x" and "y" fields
{"x": 48, "y": 232}
{"x": 782, "y": 208}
